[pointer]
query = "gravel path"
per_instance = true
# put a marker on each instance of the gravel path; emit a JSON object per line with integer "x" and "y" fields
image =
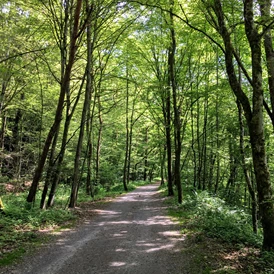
{"x": 131, "y": 235}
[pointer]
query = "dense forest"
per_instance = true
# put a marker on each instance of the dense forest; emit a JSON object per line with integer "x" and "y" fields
{"x": 99, "y": 92}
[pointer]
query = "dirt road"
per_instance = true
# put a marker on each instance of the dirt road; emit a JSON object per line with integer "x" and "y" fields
{"x": 131, "y": 235}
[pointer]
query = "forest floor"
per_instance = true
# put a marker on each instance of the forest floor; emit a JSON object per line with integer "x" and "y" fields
{"x": 133, "y": 234}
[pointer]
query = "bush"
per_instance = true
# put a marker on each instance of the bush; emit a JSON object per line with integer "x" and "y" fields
{"x": 217, "y": 219}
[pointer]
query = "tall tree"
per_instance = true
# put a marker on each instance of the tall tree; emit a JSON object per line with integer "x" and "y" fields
{"x": 254, "y": 112}
{"x": 176, "y": 107}
{"x": 65, "y": 84}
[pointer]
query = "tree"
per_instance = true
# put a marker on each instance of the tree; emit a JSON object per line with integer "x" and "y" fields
{"x": 254, "y": 112}
{"x": 176, "y": 107}
{"x": 65, "y": 83}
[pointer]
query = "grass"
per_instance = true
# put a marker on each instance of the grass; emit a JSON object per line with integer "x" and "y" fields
{"x": 220, "y": 237}
{"x": 21, "y": 226}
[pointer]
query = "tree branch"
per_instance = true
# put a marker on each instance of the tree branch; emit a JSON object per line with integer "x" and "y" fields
{"x": 21, "y": 54}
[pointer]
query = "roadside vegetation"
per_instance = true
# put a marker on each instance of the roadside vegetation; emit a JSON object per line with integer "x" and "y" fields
{"x": 22, "y": 228}
{"x": 219, "y": 237}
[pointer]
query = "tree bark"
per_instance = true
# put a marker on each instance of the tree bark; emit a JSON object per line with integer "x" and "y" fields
{"x": 265, "y": 6}
{"x": 125, "y": 175}
{"x": 90, "y": 89}
{"x": 176, "y": 107}
{"x": 246, "y": 174}
{"x": 50, "y": 171}
{"x": 99, "y": 141}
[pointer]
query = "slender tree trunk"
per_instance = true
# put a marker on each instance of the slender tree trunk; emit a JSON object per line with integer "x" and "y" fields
{"x": 204, "y": 149}
{"x": 76, "y": 170}
{"x": 89, "y": 189}
{"x": 145, "y": 156}
{"x": 193, "y": 148}
{"x": 176, "y": 107}
{"x": 165, "y": 92}
{"x": 246, "y": 174}
{"x": 58, "y": 114}
{"x": 211, "y": 169}
{"x": 59, "y": 161}
{"x": 57, "y": 169}
{"x": 162, "y": 165}
{"x": 16, "y": 146}
{"x": 76, "y": 177}
{"x": 89, "y": 184}
{"x": 132, "y": 122}
{"x": 125, "y": 175}
{"x": 265, "y": 7}
{"x": 89, "y": 88}
{"x": 232, "y": 170}
{"x": 129, "y": 153}
{"x": 2, "y": 137}
{"x": 168, "y": 142}
{"x": 199, "y": 150}
{"x": 217, "y": 129}
{"x": 99, "y": 141}
{"x": 50, "y": 171}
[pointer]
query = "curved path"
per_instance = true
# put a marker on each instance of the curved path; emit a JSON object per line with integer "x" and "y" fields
{"x": 131, "y": 235}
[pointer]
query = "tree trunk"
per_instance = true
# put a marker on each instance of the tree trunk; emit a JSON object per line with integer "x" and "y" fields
{"x": 99, "y": 141}
{"x": 204, "y": 149}
{"x": 58, "y": 165}
{"x": 125, "y": 175}
{"x": 193, "y": 147}
{"x": 217, "y": 129}
{"x": 53, "y": 168}
{"x": 167, "y": 112}
{"x": 176, "y": 107}
{"x": 265, "y": 7}
{"x": 256, "y": 130}
{"x": 50, "y": 171}
{"x": 146, "y": 155}
{"x": 132, "y": 122}
{"x": 232, "y": 170}
{"x": 246, "y": 174}
{"x": 90, "y": 150}
{"x": 162, "y": 164}
{"x": 58, "y": 114}
{"x": 76, "y": 177}
{"x": 16, "y": 146}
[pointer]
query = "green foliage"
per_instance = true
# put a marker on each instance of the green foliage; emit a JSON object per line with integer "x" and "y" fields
{"x": 215, "y": 218}
{"x": 10, "y": 257}
{"x": 221, "y": 221}
{"x": 266, "y": 261}
{"x": 19, "y": 225}
{"x": 108, "y": 174}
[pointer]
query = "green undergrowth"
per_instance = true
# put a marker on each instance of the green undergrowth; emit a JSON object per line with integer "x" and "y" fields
{"x": 22, "y": 226}
{"x": 204, "y": 216}
{"x": 212, "y": 216}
